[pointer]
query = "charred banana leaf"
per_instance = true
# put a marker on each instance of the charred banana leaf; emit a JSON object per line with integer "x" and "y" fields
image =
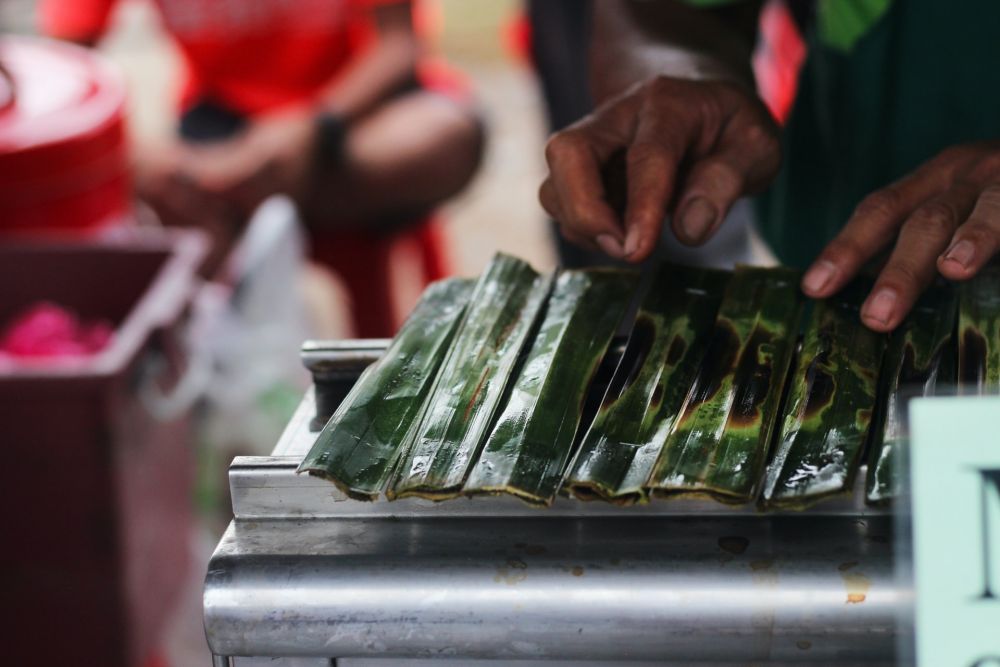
{"x": 502, "y": 311}
{"x": 979, "y": 334}
{"x": 361, "y": 443}
{"x": 830, "y": 405}
{"x": 719, "y": 444}
{"x": 921, "y": 357}
{"x": 664, "y": 351}
{"x": 526, "y": 453}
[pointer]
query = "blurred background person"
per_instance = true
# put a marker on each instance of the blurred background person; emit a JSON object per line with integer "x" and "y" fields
{"x": 333, "y": 103}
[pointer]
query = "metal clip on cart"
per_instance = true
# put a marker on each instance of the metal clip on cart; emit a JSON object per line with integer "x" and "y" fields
{"x": 302, "y": 571}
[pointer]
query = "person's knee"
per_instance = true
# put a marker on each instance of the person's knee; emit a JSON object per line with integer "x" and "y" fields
{"x": 461, "y": 149}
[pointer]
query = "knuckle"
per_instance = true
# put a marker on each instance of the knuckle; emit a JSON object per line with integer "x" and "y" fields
{"x": 882, "y": 204}
{"x": 646, "y": 154}
{"x": 989, "y": 164}
{"x": 902, "y": 274}
{"x": 760, "y": 137}
{"x": 721, "y": 176}
{"x": 934, "y": 218}
{"x": 844, "y": 251}
{"x": 562, "y": 144}
{"x": 989, "y": 199}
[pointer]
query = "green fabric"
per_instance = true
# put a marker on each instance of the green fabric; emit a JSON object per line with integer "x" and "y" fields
{"x": 841, "y": 23}
{"x": 922, "y": 78}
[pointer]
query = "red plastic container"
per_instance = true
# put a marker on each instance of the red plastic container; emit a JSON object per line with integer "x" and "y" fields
{"x": 96, "y": 491}
{"x": 63, "y": 149}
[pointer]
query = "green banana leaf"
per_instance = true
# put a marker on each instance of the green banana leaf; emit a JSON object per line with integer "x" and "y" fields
{"x": 502, "y": 311}
{"x": 719, "y": 444}
{"x": 361, "y": 442}
{"x": 979, "y": 333}
{"x": 829, "y": 407}
{"x": 920, "y": 357}
{"x": 526, "y": 453}
{"x": 664, "y": 351}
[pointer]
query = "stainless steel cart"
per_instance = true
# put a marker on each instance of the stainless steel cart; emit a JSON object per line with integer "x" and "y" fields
{"x": 303, "y": 571}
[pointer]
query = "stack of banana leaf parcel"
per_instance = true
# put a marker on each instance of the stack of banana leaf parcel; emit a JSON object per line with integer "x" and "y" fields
{"x": 727, "y": 385}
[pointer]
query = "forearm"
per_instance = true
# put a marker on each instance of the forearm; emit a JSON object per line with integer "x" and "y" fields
{"x": 635, "y": 40}
{"x": 389, "y": 65}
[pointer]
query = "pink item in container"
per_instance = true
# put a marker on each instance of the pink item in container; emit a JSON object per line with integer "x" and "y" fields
{"x": 47, "y": 331}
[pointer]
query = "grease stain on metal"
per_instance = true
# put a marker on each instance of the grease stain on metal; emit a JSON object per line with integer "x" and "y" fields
{"x": 513, "y": 572}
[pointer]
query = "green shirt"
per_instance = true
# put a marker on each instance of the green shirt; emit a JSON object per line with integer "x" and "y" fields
{"x": 881, "y": 92}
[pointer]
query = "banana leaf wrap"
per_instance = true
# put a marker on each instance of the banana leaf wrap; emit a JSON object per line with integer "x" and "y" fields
{"x": 663, "y": 353}
{"x": 502, "y": 311}
{"x": 979, "y": 333}
{"x": 719, "y": 444}
{"x": 920, "y": 357}
{"x": 361, "y": 443}
{"x": 829, "y": 406}
{"x": 526, "y": 453}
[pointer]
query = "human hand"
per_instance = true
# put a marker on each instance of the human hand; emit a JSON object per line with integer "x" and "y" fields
{"x": 164, "y": 180}
{"x": 273, "y": 155}
{"x": 692, "y": 148}
{"x": 943, "y": 218}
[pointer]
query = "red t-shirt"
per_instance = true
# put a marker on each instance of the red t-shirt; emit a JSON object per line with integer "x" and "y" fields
{"x": 251, "y": 55}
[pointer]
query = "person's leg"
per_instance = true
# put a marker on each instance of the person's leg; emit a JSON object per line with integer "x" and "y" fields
{"x": 401, "y": 161}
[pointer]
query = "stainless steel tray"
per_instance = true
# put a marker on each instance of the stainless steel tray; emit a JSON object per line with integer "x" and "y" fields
{"x": 304, "y": 571}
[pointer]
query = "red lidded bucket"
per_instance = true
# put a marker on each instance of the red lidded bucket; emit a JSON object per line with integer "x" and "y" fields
{"x": 63, "y": 149}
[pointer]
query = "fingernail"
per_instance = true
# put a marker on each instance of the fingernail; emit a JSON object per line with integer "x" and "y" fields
{"x": 962, "y": 252}
{"x": 610, "y": 245}
{"x": 881, "y": 305}
{"x": 697, "y": 219}
{"x": 819, "y": 276}
{"x": 631, "y": 241}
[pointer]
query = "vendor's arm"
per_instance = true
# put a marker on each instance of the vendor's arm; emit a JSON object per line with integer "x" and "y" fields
{"x": 678, "y": 99}
{"x": 944, "y": 217}
{"x": 387, "y": 66}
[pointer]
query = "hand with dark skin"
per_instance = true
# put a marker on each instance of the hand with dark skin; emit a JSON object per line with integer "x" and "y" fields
{"x": 679, "y": 101}
{"x": 943, "y": 218}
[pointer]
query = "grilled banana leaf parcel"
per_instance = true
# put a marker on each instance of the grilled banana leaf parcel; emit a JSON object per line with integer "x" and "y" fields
{"x": 502, "y": 311}
{"x": 361, "y": 443}
{"x": 921, "y": 356}
{"x": 830, "y": 405}
{"x": 663, "y": 353}
{"x": 719, "y": 444}
{"x": 526, "y": 453}
{"x": 979, "y": 334}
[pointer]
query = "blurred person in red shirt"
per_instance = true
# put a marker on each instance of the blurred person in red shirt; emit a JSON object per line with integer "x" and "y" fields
{"x": 332, "y": 102}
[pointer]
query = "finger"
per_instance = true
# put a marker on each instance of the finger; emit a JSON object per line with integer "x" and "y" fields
{"x": 582, "y": 241}
{"x": 741, "y": 164}
{"x": 550, "y": 202}
{"x": 872, "y": 226}
{"x": 549, "y": 198}
{"x": 913, "y": 262}
{"x": 651, "y": 166}
{"x": 575, "y": 160}
{"x": 977, "y": 241}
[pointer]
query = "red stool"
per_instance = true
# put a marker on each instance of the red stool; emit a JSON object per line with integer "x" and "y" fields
{"x": 364, "y": 260}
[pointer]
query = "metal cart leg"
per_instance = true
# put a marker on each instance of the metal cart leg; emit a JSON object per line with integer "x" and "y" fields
{"x": 221, "y": 661}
